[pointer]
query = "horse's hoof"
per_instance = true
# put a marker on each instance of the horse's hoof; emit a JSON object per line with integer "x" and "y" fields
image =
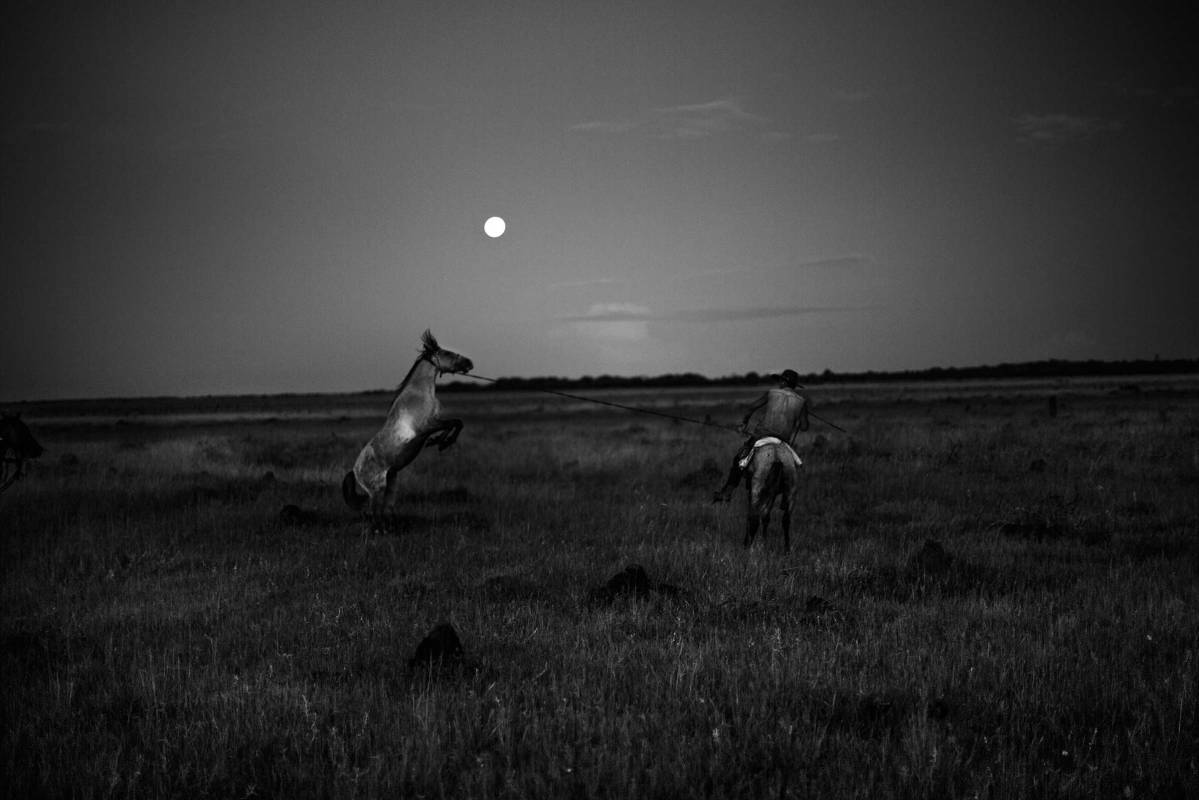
{"x": 382, "y": 526}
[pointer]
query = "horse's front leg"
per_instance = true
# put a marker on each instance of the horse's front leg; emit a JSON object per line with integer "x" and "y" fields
{"x": 751, "y": 517}
{"x": 751, "y": 511}
{"x": 445, "y": 434}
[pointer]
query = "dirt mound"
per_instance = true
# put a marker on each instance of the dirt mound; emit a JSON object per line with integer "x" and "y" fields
{"x": 930, "y": 560}
{"x": 292, "y": 514}
{"x": 440, "y": 648}
{"x": 632, "y": 582}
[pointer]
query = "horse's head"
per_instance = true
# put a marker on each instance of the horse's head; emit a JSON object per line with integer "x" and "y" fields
{"x": 444, "y": 360}
{"x": 18, "y": 436}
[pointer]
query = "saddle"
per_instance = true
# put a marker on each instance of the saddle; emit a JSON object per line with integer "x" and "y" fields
{"x": 763, "y": 442}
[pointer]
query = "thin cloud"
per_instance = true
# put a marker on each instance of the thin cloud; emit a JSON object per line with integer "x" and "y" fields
{"x": 847, "y": 261}
{"x": 822, "y": 138}
{"x": 631, "y": 313}
{"x": 601, "y": 126}
{"x": 704, "y": 119}
{"x": 1051, "y": 129}
{"x": 613, "y": 322}
{"x": 16, "y": 133}
{"x": 850, "y": 95}
{"x": 1179, "y": 96}
{"x": 586, "y": 283}
{"x": 692, "y": 121}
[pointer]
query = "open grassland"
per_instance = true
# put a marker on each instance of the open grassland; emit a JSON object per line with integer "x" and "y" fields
{"x": 166, "y": 632}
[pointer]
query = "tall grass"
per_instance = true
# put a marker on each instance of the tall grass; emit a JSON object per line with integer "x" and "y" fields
{"x": 165, "y": 633}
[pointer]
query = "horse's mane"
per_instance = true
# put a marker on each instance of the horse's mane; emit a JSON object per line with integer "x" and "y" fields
{"x": 429, "y": 346}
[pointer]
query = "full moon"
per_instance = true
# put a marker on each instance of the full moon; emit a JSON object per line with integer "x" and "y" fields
{"x": 494, "y": 227}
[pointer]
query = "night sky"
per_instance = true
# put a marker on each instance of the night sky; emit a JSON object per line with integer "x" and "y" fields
{"x": 231, "y": 197}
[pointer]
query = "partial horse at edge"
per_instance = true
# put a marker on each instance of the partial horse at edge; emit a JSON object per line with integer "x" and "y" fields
{"x": 17, "y": 445}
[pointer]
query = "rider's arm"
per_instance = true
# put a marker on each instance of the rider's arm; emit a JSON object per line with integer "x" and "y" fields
{"x": 759, "y": 403}
{"x": 801, "y": 422}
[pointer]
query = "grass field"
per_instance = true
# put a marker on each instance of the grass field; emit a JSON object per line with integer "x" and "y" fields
{"x": 166, "y": 632}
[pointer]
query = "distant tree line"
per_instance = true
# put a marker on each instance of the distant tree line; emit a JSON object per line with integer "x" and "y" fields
{"x": 1052, "y": 368}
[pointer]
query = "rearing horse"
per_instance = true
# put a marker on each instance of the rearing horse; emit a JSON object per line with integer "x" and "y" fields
{"x": 414, "y": 422}
{"x": 773, "y": 469}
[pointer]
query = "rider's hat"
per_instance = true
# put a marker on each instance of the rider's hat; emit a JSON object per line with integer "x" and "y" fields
{"x": 789, "y": 377}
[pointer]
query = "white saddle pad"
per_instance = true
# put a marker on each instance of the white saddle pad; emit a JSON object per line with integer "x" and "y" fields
{"x": 765, "y": 440}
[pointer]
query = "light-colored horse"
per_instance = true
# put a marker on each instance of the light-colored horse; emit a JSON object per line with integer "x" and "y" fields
{"x": 772, "y": 473}
{"x": 414, "y": 422}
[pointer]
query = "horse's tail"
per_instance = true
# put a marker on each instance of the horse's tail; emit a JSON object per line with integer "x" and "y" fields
{"x": 771, "y": 479}
{"x": 354, "y": 496}
{"x": 791, "y": 464}
{"x": 776, "y": 477}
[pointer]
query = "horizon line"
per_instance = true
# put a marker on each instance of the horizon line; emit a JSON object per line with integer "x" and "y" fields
{"x": 1187, "y": 365}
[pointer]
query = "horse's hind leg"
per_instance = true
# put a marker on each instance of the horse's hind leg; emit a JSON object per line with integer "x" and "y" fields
{"x": 751, "y": 526}
{"x": 383, "y": 511}
{"x": 376, "y": 512}
{"x": 786, "y": 504}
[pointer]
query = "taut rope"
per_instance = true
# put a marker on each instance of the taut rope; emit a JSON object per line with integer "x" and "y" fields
{"x": 635, "y": 409}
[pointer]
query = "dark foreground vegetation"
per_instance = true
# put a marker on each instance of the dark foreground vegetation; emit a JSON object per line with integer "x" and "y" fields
{"x": 990, "y": 593}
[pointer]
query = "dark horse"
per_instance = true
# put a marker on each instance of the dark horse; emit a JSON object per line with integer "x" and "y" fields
{"x": 414, "y": 422}
{"x": 16, "y": 446}
{"x": 773, "y": 469}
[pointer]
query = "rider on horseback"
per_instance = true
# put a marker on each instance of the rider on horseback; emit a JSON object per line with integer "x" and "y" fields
{"x": 784, "y": 414}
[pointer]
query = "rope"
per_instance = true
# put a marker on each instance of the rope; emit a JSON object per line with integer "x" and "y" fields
{"x": 832, "y": 425}
{"x": 596, "y": 400}
{"x": 635, "y": 409}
